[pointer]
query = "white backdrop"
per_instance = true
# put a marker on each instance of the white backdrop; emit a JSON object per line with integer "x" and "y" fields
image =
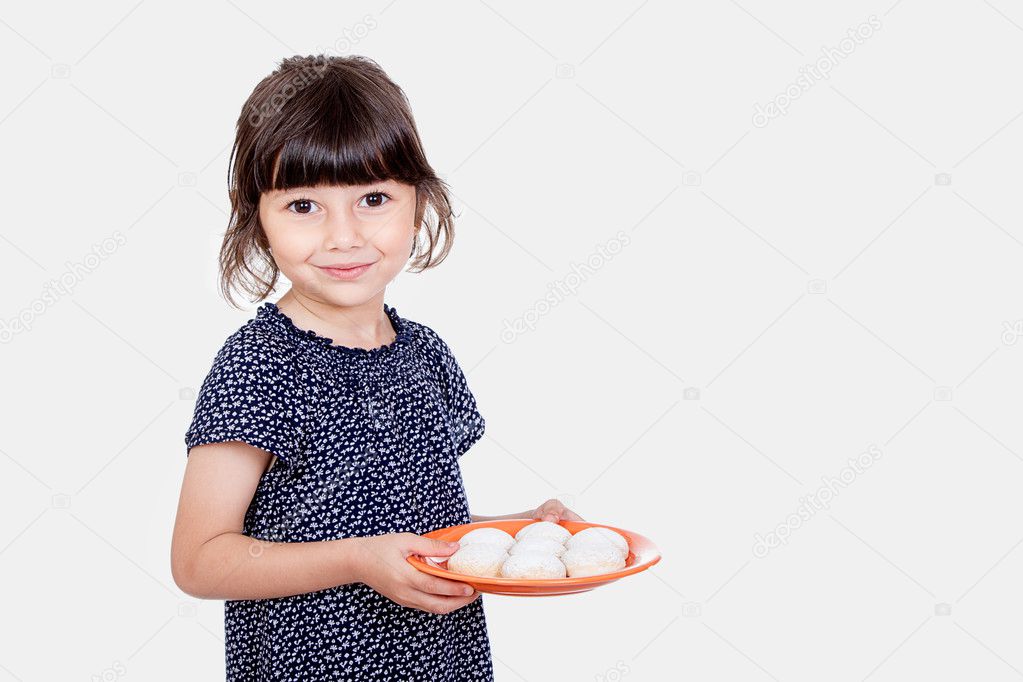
{"x": 798, "y": 371}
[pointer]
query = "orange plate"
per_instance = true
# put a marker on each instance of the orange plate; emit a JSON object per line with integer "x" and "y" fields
{"x": 642, "y": 555}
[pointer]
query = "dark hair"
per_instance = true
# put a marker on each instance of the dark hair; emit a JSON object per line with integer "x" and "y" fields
{"x": 324, "y": 120}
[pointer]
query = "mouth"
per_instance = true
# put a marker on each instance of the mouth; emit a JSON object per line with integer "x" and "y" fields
{"x": 346, "y": 273}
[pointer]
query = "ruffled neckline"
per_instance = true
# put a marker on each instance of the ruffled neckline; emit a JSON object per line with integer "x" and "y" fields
{"x": 271, "y": 312}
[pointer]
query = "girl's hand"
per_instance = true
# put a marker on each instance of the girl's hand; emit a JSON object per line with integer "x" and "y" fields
{"x": 382, "y": 564}
{"x": 553, "y": 511}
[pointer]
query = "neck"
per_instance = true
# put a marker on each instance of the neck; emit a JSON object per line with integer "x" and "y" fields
{"x": 365, "y": 325}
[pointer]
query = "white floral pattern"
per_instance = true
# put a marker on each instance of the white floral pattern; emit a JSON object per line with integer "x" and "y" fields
{"x": 367, "y": 442}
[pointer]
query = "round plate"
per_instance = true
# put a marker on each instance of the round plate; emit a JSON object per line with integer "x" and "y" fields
{"x": 642, "y": 555}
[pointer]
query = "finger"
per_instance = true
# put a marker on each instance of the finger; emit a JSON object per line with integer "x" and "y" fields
{"x": 552, "y": 511}
{"x": 440, "y": 586}
{"x": 436, "y": 604}
{"x": 424, "y": 546}
{"x": 572, "y": 516}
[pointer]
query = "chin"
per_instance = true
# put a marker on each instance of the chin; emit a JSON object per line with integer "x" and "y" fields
{"x": 351, "y": 297}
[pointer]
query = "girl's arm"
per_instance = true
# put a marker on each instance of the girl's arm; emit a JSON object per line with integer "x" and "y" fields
{"x": 551, "y": 510}
{"x": 212, "y": 559}
{"x": 520, "y": 515}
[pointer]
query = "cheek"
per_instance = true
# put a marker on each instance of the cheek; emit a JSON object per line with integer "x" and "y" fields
{"x": 289, "y": 247}
{"x": 401, "y": 241}
{"x": 396, "y": 241}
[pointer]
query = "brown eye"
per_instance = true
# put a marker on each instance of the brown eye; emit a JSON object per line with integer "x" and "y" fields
{"x": 301, "y": 206}
{"x": 376, "y": 199}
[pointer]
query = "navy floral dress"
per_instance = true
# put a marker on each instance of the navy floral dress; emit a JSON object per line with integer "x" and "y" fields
{"x": 366, "y": 442}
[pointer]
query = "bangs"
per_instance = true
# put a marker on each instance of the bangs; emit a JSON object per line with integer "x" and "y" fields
{"x": 347, "y": 141}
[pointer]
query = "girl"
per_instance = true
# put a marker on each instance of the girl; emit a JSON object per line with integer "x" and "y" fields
{"x": 326, "y": 436}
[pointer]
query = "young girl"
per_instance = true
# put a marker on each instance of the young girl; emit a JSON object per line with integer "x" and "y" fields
{"x": 327, "y": 434}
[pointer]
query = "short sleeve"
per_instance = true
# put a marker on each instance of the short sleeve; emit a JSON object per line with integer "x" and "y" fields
{"x": 248, "y": 396}
{"x": 465, "y": 424}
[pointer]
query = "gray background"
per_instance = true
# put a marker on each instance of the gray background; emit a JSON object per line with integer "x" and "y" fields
{"x": 794, "y": 292}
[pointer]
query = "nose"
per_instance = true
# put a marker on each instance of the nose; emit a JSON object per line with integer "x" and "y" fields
{"x": 343, "y": 231}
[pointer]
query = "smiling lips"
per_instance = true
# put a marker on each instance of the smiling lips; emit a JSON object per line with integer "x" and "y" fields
{"x": 344, "y": 266}
{"x": 345, "y": 271}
